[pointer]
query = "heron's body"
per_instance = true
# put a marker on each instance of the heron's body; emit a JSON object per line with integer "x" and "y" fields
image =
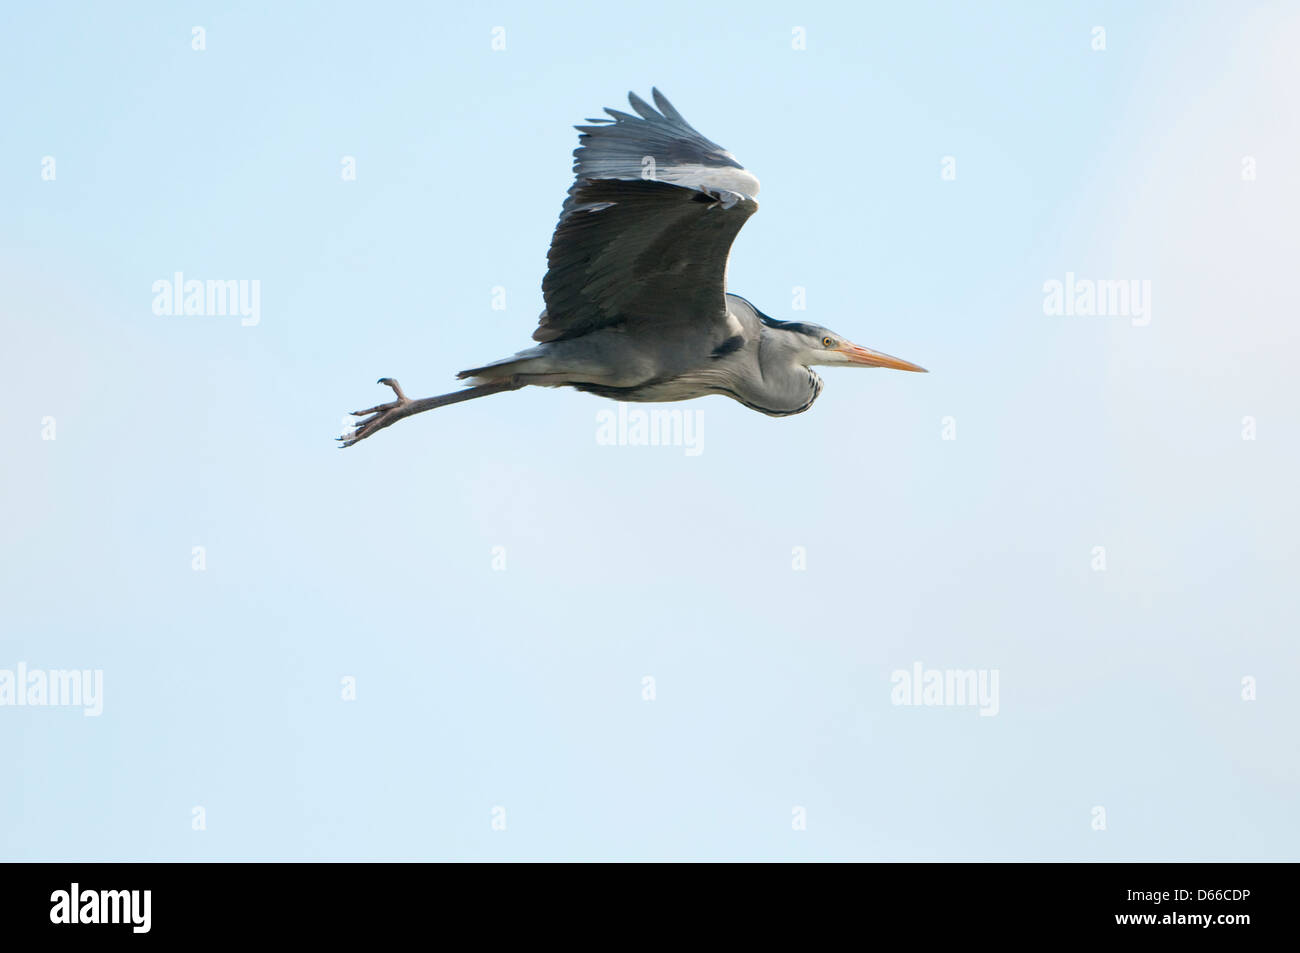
{"x": 732, "y": 357}
{"x": 636, "y": 302}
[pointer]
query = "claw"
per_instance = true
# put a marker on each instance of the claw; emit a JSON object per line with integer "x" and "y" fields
{"x": 397, "y": 388}
{"x": 381, "y": 415}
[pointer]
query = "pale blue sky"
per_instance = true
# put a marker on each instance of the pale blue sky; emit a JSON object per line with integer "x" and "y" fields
{"x": 522, "y": 688}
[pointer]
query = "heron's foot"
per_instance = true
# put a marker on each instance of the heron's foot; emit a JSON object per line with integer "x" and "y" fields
{"x": 377, "y": 417}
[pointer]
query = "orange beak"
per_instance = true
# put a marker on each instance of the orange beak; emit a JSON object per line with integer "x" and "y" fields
{"x": 865, "y": 357}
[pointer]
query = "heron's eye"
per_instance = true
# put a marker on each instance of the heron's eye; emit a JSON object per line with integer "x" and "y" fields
{"x": 828, "y": 342}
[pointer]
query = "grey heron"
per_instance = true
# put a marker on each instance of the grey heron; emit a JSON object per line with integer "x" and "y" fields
{"x": 635, "y": 291}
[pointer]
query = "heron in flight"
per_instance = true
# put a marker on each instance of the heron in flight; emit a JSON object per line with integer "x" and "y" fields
{"x": 636, "y": 302}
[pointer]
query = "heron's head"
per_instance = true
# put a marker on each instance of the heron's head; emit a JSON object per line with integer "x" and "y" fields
{"x": 818, "y": 345}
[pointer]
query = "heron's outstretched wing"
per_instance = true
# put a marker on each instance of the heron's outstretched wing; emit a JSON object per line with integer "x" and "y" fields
{"x": 647, "y": 226}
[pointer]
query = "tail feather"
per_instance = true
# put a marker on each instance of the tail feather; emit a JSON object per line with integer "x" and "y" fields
{"x": 497, "y": 370}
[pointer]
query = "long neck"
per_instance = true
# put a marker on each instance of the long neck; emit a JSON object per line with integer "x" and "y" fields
{"x": 785, "y": 385}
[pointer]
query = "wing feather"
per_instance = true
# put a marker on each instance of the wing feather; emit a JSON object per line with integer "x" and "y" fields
{"x": 647, "y": 226}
